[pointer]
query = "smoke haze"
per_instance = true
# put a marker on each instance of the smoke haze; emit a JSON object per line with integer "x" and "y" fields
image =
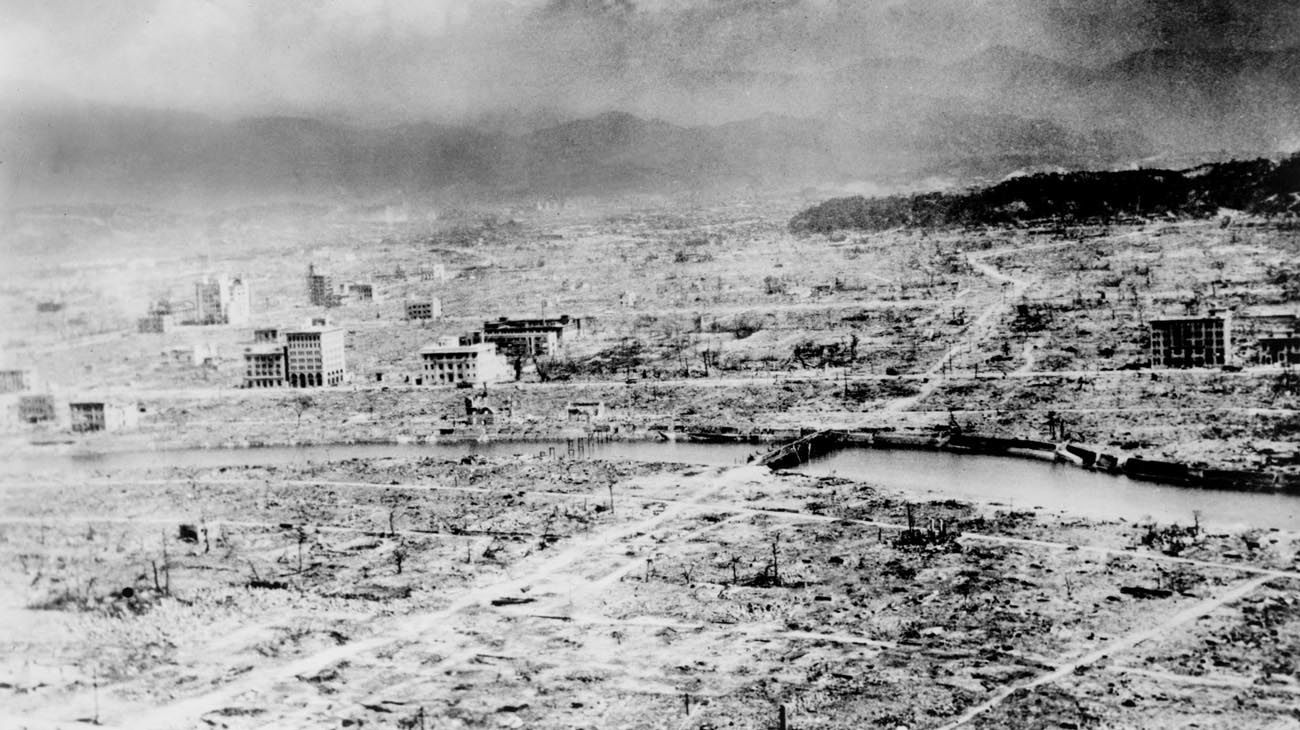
{"x": 453, "y": 60}
{"x": 1010, "y": 83}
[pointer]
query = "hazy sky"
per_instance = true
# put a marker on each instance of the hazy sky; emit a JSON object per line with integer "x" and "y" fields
{"x": 449, "y": 59}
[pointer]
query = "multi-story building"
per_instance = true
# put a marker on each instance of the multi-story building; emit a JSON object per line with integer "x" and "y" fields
{"x": 265, "y": 365}
{"x": 561, "y": 326}
{"x": 1279, "y": 350}
{"x": 514, "y": 344}
{"x": 156, "y": 323}
{"x": 239, "y": 305}
{"x": 355, "y": 291}
{"x": 517, "y": 338}
{"x": 15, "y": 381}
{"x": 222, "y": 300}
{"x": 88, "y": 416}
{"x": 315, "y": 357}
{"x": 266, "y": 334}
{"x": 450, "y": 363}
{"x": 320, "y": 288}
{"x": 430, "y": 309}
{"x": 36, "y": 408}
{"x": 1191, "y": 342}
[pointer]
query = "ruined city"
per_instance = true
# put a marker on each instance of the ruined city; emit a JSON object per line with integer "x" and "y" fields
{"x": 875, "y": 386}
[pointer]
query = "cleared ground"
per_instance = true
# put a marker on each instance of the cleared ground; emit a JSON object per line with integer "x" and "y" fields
{"x": 556, "y": 593}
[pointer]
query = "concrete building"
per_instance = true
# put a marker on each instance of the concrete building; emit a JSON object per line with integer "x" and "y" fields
{"x": 354, "y": 291}
{"x": 430, "y": 309}
{"x": 1191, "y": 342}
{"x": 450, "y": 363}
{"x": 315, "y": 357}
{"x": 1279, "y": 350}
{"x": 320, "y": 288}
{"x": 157, "y": 323}
{"x": 514, "y": 344}
{"x": 517, "y": 338}
{"x": 209, "y": 297}
{"x": 222, "y": 300}
{"x": 435, "y": 272}
{"x": 592, "y": 410}
{"x": 15, "y": 380}
{"x": 266, "y": 334}
{"x": 90, "y": 416}
{"x": 36, "y": 408}
{"x": 265, "y": 365}
{"x": 564, "y": 326}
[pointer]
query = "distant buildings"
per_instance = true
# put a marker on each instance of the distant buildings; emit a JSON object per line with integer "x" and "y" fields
{"x": 585, "y": 410}
{"x": 518, "y": 338}
{"x": 1191, "y": 342}
{"x": 157, "y": 323}
{"x": 320, "y": 288}
{"x": 14, "y": 381}
{"x": 159, "y": 319}
{"x": 514, "y": 344}
{"x": 315, "y": 357}
{"x": 435, "y": 272}
{"x": 429, "y": 309}
{"x": 354, "y": 291}
{"x": 36, "y": 408}
{"x": 308, "y": 357}
{"x": 18, "y": 404}
{"x": 222, "y": 300}
{"x": 265, "y": 365}
{"x": 91, "y": 416}
{"x": 451, "y": 363}
{"x": 1279, "y": 350}
{"x": 1276, "y": 336}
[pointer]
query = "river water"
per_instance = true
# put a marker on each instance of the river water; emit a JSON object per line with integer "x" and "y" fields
{"x": 1021, "y": 484}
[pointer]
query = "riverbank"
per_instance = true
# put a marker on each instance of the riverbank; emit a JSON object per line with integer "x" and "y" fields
{"x": 542, "y": 592}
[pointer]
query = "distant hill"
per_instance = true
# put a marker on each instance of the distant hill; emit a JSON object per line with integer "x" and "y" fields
{"x": 68, "y": 153}
{"x": 890, "y": 121}
{"x": 1257, "y": 186}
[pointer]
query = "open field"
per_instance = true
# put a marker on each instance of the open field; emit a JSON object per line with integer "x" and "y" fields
{"x": 557, "y": 593}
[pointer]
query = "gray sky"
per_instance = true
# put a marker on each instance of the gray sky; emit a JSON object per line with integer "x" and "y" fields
{"x": 453, "y": 59}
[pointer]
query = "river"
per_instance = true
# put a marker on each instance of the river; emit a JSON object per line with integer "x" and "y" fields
{"x": 1015, "y": 483}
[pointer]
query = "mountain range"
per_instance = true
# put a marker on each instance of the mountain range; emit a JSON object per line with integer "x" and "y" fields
{"x": 880, "y": 120}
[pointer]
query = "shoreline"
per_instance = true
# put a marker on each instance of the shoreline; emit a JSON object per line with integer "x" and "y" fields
{"x": 1086, "y": 457}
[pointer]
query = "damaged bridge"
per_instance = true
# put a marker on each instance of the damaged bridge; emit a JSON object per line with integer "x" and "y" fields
{"x": 803, "y": 449}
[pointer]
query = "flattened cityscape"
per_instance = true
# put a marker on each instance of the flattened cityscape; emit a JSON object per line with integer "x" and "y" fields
{"x": 672, "y": 364}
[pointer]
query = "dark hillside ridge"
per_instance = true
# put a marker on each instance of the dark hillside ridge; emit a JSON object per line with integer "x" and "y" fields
{"x": 1261, "y": 186}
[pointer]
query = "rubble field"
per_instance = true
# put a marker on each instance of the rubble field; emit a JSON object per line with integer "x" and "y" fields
{"x": 694, "y": 317}
{"x": 559, "y": 593}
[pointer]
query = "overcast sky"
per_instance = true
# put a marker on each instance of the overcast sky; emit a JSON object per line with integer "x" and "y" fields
{"x": 453, "y": 59}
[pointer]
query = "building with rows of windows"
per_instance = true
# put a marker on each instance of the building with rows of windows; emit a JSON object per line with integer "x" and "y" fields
{"x": 450, "y": 363}
{"x": 1191, "y": 342}
{"x": 314, "y": 357}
